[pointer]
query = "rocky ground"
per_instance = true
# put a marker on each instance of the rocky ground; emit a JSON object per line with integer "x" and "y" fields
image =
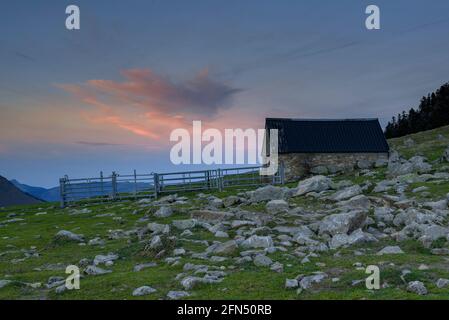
{"x": 311, "y": 239}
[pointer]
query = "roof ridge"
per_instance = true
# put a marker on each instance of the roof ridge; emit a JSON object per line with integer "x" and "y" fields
{"x": 324, "y": 119}
{"x": 328, "y": 135}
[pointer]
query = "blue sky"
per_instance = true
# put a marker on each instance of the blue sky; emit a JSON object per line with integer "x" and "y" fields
{"x": 67, "y": 97}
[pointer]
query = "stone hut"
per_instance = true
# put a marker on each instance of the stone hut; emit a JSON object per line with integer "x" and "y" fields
{"x": 322, "y": 146}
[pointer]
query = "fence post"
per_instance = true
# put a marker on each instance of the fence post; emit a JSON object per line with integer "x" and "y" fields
{"x": 114, "y": 185}
{"x": 220, "y": 185}
{"x": 282, "y": 172}
{"x": 208, "y": 179}
{"x": 156, "y": 185}
{"x": 101, "y": 184}
{"x": 62, "y": 192}
{"x": 135, "y": 184}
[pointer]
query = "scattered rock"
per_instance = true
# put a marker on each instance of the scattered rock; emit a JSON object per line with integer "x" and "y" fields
{"x": 390, "y": 250}
{"x": 266, "y": 193}
{"x": 216, "y": 202}
{"x": 184, "y": 224}
{"x": 4, "y": 283}
{"x": 342, "y": 222}
{"x": 179, "y": 252}
{"x": 94, "y": 271}
{"x": 221, "y": 234}
{"x": 414, "y": 164}
{"x": 55, "y": 281}
{"x": 60, "y": 289}
{"x": 313, "y": 184}
{"x": 441, "y": 205}
{"x": 163, "y": 212}
{"x": 159, "y": 228}
{"x": 186, "y": 233}
{"x": 142, "y": 266}
{"x": 210, "y": 216}
{"x": 409, "y": 142}
{"x": 231, "y": 201}
{"x": 357, "y": 237}
{"x": 358, "y": 202}
{"x": 307, "y": 282}
{"x": 276, "y": 206}
{"x": 445, "y": 156}
{"x": 103, "y": 259}
{"x": 65, "y": 235}
{"x": 383, "y": 186}
{"x": 156, "y": 242}
{"x": 190, "y": 282}
{"x": 291, "y": 283}
{"x": 240, "y": 223}
{"x": 257, "y": 242}
{"x": 175, "y": 295}
{"x": 441, "y": 283}
{"x": 225, "y": 248}
{"x": 420, "y": 189}
{"x": 96, "y": 242}
{"x": 347, "y": 193}
{"x": 384, "y": 214}
{"x": 143, "y": 291}
{"x": 417, "y": 287}
{"x": 277, "y": 267}
{"x": 261, "y": 260}
{"x": 423, "y": 267}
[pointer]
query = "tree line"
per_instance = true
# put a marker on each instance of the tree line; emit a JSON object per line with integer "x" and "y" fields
{"x": 432, "y": 112}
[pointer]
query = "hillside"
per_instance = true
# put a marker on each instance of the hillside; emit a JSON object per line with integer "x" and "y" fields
{"x": 312, "y": 239}
{"x": 432, "y": 112}
{"x": 11, "y": 195}
{"x": 52, "y": 194}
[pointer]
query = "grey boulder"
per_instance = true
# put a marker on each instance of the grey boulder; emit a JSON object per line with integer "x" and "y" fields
{"x": 276, "y": 206}
{"x": 261, "y": 260}
{"x": 163, "y": 212}
{"x": 342, "y": 222}
{"x": 314, "y": 184}
{"x": 69, "y": 236}
{"x": 257, "y": 242}
{"x": 175, "y": 295}
{"x": 143, "y": 291}
{"x": 390, "y": 250}
{"x": 417, "y": 287}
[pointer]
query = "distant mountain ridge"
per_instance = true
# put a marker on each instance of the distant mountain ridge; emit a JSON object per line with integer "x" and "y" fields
{"x": 50, "y": 195}
{"x": 10, "y": 195}
{"x": 53, "y": 194}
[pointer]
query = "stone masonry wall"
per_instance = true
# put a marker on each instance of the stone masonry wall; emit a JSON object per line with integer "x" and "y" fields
{"x": 297, "y": 165}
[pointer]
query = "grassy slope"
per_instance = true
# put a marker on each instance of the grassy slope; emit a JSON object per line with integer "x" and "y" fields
{"x": 427, "y": 143}
{"x": 244, "y": 282}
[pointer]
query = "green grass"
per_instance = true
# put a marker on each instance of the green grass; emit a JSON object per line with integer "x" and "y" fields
{"x": 426, "y": 143}
{"x": 242, "y": 281}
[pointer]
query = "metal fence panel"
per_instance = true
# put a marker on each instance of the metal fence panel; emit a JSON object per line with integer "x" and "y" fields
{"x": 137, "y": 186}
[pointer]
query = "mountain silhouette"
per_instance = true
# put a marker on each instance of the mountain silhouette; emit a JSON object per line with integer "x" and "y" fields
{"x": 10, "y": 195}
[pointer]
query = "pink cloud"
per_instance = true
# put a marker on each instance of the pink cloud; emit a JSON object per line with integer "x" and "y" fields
{"x": 150, "y": 105}
{"x": 142, "y": 87}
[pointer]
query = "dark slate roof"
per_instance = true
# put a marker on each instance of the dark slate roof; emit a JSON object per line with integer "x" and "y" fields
{"x": 328, "y": 136}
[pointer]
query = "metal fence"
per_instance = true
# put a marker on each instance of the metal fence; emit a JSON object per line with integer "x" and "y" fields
{"x": 136, "y": 186}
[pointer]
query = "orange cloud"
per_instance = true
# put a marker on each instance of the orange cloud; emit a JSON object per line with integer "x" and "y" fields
{"x": 130, "y": 126}
{"x": 150, "y": 105}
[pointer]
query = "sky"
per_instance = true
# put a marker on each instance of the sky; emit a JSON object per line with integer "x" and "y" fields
{"x": 107, "y": 96}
